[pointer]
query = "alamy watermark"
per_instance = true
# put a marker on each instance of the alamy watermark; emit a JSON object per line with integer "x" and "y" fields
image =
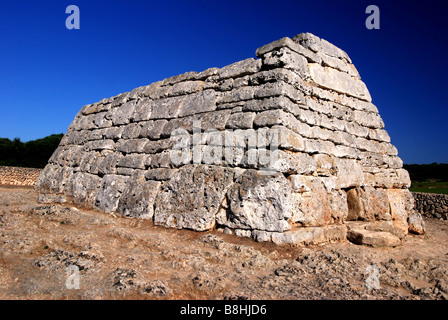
{"x": 72, "y": 280}
{"x": 73, "y": 20}
{"x": 254, "y": 149}
{"x": 373, "y": 280}
{"x": 373, "y": 20}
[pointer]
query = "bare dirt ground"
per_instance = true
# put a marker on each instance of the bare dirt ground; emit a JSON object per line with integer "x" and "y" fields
{"x": 121, "y": 258}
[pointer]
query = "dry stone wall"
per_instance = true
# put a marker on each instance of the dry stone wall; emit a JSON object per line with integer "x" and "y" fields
{"x": 17, "y": 176}
{"x": 431, "y": 205}
{"x": 283, "y": 148}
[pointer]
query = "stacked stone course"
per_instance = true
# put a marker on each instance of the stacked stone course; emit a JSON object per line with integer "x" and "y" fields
{"x": 17, "y": 176}
{"x": 431, "y": 205}
{"x": 334, "y": 161}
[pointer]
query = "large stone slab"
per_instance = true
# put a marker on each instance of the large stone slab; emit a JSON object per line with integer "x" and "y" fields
{"x": 192, "y": 197}
{"x": 336, "y": 80}
{"x": 137, "y": 200}
{"x": 259, "y": 201}
{"x": 110, "y": 192}
{"x": 373, "y": 238}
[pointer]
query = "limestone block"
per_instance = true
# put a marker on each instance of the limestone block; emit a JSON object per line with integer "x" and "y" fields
{"x": 131, "y": 131}
{"x": 287, "y": 139}
{"x": 186, "y": 87}
{"x": 288, "y": 59}
{"x": 349, "y": 173}
{"x": 95, "y": 108}
{"x": 83, "y": 189}
{"x": 258, "y": 201}
{"x": 143, "y": 110}
{"x": 101, "y": 121}
{"x": 368, "y": 204}
{"x": 132, "y": 145}
{"x": 291, "y": 162}
{"x": 305, "y": 236}
{"x": 392, "y": 178}
{"x": 319, "y": 45}
{"x": 416, "y": 223}
{"x": 52, "y": 179}
{"x": 110, "y": 192}
{"x": 236, "y": 95}
{"x": 240, "y": 68}
{"x": 279, "y": 88}
{"x": 100, "y": 145}
{"x": 138, "y": 197}
{"x": 373, "y": 238}
{"x": 337, "y": 200}
{"x": 192, "y": 197}
{"x": 160, "y": 174}
{"x": 401, "y": 203}
{"x": 153, "y": 129}
{"x": 241, "y": 120}
{"x": 109, "y": 163}
{"x": 113, "y": 133}
{"x": 368, "y": 119}
{"x": 342, "y": 82}
{"x": 288, "y": 43}
{"x": 179, "y": 78}
{"x": 167, "y": 108}
{"x": 311, "y": 208}
{"x": 135, "y": 161}
{"x": 122, "y": 114}
{"x": 202, "y": 101}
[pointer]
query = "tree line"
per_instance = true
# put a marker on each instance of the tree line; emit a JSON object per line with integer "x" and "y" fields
{"x": 31, "y": 154}
{"x": 425, "y": 172}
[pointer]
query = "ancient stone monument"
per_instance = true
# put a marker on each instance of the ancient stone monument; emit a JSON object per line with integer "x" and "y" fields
{"x": 285, "y": 148}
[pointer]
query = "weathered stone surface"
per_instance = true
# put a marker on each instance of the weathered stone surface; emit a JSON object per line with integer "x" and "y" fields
{"x": 349, "y": 173}
{"x": 303, "y": 236}
{"x": 109, "y": 193}
{"x": 416, "y": 223}
{"x": 311, "y": 208}
{"x": 288, "y": 59}
{"x": 258, "y": 201}
{"x": 338, "y": 205}
{"x": 52, "y": 179}
{"x": 241, "y": 120}
{"x": 368, "y": 204}
{"x": 401, "y": 204}
{"x": 240, "y": 68}
{"x": 373, "y": 238}
{"x": 342, "y": 82}
{"x": 287, "y": 42}
{"x": 320, "y": 46}
{"x": 84, "y": 189}
{"x": 203, "y": 101}
{"x": 138, "y": 197}
{"x": 192, "y": 197}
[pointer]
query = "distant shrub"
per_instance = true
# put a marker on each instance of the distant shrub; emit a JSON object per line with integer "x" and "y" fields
{"x": 31, "y": 154}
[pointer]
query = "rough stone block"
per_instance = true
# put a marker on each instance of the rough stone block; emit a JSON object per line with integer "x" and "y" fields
{"x": 192, "y": 197}
{"x": 373, "y": 238}
{"x": 259, "y": 202}
{"x": 342, "y": 82}
{"x": 138, "y": 198}
{"x": 109, "y": 193}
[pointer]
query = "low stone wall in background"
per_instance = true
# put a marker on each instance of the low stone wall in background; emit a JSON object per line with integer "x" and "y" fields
{"x": 16, "y": 176}
{"x": 431, "y": 204}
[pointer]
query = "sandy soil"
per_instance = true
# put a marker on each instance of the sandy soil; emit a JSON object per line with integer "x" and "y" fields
{"x": 44, "y": 249}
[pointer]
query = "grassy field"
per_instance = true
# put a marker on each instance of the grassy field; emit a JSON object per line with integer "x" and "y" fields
{"x": 430, "y": 186}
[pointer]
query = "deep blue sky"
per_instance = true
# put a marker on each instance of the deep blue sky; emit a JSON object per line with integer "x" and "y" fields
{"x": 47, "y": 73}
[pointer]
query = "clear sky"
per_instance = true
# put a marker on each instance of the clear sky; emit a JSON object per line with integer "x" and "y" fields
{"x": 47, "y": 72}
